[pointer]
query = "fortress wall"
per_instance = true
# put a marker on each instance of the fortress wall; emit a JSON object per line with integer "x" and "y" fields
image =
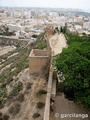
{"x": 39, "y": 61}
{"x": 38, "y": 52}
{"x": 12, "y": 41}
{"x": 38, "y": 64}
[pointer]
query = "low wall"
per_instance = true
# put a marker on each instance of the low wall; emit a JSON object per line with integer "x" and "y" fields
{"x": 49, "y": 91}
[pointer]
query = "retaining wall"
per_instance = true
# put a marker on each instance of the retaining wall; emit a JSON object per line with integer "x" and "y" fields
{"x": 11, "y": 41}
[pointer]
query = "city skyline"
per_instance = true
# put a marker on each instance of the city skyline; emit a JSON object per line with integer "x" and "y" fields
{"x": 77, "y": 4}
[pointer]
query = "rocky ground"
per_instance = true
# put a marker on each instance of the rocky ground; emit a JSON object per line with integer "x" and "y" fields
{"x": 25, "y": 104}
{"x": 22, "y": 96}
{"x": 57, "y": 43}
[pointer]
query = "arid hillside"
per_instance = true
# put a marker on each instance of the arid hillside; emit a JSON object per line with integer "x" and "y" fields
{"x": 22, "y": 97}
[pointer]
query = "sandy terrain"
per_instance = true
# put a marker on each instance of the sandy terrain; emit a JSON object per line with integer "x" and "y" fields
{"x": 7, "y": 49}
{"x": 13, "y": 55}
{"x": 6, "y": 67}
{"x": 65, "y": 106}
{"x": 57, "y": 43}
{"x": 29, "y": 105}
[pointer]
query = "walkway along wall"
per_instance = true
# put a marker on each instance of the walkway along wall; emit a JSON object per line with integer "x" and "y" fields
{"x": 49, "y": 90}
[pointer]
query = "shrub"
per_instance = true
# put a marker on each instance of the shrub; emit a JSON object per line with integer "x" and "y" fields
{"x": 28, "y": 86}
{"x": 34, "y": 36}
{"x": 5, "y": 117}
{"x": 74, "y": 63}
{"x": 14, "y": 109}
{"x": 3, "y": 97}
{"x": 40, "y": 105}
{"x": 1, "y": 116}
{"x": 20, "y": 97}
{"x": 41, "y": 92}
{"x": 36, "y": 115}
{"x": 41, "y": 46}
{"x": 17, "y": 88}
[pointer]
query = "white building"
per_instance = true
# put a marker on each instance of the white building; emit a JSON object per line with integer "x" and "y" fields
{"x": 86, "y": 25}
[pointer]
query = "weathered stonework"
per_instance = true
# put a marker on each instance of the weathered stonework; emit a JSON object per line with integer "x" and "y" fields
{"x": 39, "y": 61}
{"x": 11, "y": 41}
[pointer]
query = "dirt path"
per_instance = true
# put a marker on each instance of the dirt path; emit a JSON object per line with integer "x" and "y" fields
{"x": 65, "y": 106}
{"x": 57, "y": 43}
{"x": 29, "y": 104}
{"x": 31, "y": 100}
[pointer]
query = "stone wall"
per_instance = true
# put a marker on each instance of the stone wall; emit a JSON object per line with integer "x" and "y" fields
{"x": 11, "y": 41}
{"x": 37, "y": 52}
{"x": 39, "y": 61}
{"x": 49, "y": 91}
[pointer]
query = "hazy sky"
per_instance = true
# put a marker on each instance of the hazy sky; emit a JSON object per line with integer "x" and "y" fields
{"x": 81, "y": 4}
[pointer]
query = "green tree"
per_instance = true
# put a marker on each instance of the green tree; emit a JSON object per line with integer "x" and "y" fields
{"x": 74, "y": 63}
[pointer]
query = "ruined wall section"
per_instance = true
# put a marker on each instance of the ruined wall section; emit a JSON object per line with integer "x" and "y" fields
{"x": 39, "y": 61}
{"x": 11, "y": 41}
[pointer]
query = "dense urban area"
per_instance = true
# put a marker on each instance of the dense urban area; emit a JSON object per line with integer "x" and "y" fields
{"x": 23, "y": 22}
{"x": 62, "y": 37}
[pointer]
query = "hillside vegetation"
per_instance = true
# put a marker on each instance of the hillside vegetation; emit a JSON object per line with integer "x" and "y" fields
{"x": 74, "y": 63}
{"x": 17, "y": 63}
